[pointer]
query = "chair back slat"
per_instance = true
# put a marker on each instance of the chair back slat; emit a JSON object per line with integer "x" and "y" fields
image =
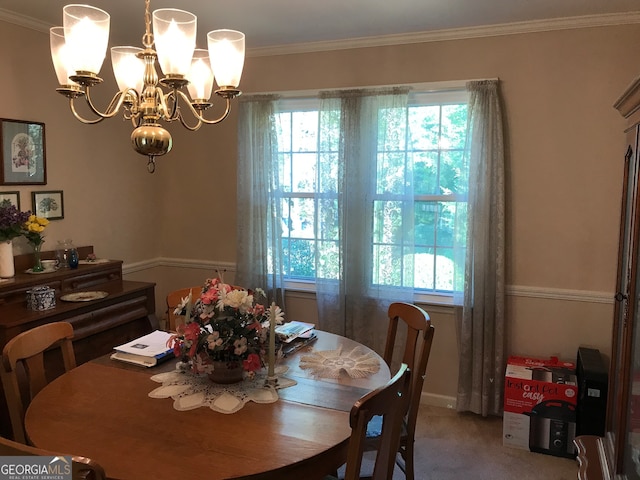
{"x": 390, "y": 402}
{"x": 27, "y": 350}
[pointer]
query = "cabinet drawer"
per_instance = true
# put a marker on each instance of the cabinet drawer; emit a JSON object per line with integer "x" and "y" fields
{"x": 90, "y": 279}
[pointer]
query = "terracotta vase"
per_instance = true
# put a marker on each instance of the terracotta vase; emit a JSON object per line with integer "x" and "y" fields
{"x": 7, "y": 267}
{"x": 226, "y": 372}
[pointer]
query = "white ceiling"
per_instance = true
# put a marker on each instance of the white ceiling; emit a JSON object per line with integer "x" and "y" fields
{"x": 270, "y": 24}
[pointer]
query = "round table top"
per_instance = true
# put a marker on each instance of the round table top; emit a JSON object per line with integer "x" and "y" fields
{"x": 102, "y": 410}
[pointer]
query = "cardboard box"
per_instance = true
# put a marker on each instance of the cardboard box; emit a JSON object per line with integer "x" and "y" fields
{"x": 540, "y": 405}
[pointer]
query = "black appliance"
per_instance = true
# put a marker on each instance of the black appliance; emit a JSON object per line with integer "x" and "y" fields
{"x": 553, "y": 428}
{"x": 593, "y": 381}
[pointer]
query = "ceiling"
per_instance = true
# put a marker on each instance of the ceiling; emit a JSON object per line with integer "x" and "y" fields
{"x": 270, "y": 24}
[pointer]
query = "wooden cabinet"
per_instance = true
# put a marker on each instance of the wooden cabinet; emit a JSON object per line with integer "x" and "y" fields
{"x": 127, "y": 312}
{"x": 617, "y": 454}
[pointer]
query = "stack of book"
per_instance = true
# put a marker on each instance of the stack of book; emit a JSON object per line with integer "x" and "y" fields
{"x": 295, "y": 335}
{"x": 146, "y": 351}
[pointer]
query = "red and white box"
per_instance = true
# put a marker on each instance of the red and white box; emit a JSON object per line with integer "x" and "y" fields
{"x": 540, "y": 398}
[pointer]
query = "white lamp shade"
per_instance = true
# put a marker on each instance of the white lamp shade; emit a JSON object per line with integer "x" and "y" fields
{"x": 60, "y": 56}
{"x": 128, "y": 68}
{"x": 226, "y": 52}
{"x": 200, "y": 76}
{"x": 86, "y": 33}
{"x": 174, "y": 32}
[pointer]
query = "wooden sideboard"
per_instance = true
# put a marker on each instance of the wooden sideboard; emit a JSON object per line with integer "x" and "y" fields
{"x": 127, "y": 312}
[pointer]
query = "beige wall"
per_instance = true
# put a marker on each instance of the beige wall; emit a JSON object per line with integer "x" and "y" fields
{"x": 564, "y": 173}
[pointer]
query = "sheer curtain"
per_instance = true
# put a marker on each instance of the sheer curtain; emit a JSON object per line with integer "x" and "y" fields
{"x": 481, "y": 324}
{"x": 259, "y": 238}
{"x": 355, "y": 304}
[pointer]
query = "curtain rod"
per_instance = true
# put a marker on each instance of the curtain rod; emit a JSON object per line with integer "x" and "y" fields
{"x": 422, "y": 87}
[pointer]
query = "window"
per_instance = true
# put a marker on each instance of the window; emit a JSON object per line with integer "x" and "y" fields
{"x": 419, "y": 192}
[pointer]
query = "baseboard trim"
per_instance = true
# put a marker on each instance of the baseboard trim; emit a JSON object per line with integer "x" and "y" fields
{"x": 435, "y": 400}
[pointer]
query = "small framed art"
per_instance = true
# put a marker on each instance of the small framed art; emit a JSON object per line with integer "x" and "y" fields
{"x": 49, "y": 205}
{"x": 22, "y": 145}
{"x": 10, "y": 198}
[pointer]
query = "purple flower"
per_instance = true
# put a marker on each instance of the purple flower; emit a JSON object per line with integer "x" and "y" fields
{"x": 11, "y": 221}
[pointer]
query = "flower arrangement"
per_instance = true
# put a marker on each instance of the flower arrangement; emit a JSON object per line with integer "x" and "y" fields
{"x": 32, "y": 230}
{"x": 11, "y": 222}
{"x": 225, "y": 324}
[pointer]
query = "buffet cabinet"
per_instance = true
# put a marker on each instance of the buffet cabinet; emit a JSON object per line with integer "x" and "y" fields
{"x": 617, "y": 454}
{"x": 125, "y": 313}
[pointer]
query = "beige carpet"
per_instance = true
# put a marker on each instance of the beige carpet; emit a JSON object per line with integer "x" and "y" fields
{"x": 453, "y": 446}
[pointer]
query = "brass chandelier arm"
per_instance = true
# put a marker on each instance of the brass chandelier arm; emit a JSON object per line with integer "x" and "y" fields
{"x": 196, "y": 112}
{"x": 79, "y": 117}
{"x": 114, "y": 105}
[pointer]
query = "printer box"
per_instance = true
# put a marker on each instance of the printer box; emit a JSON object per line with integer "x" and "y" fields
{"x": 540, "y": 398}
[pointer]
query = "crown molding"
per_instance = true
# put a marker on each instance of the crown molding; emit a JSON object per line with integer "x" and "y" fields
{"x": 535, "y": 26}
{"x": 515, "y": 28}
{"x": 23, "y": 21}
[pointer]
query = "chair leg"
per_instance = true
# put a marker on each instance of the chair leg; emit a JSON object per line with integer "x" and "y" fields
{"x": 406, "y": 461}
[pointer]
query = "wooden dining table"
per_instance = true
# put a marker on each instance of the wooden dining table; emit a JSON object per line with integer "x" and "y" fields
{"x": 102, "y": 410}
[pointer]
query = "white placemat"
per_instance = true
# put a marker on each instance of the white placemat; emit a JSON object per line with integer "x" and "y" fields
{"x": 357, "y": 363}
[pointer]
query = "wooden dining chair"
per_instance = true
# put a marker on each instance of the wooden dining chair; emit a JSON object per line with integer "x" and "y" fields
{"x": 417, "y": 347}
{"x": 173, "y": 300}
{"x": 27, "y": 350}
{"x": 81, "y": 467}
{"x": 389, "y": 403}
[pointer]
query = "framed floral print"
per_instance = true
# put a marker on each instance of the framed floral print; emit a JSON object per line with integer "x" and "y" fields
{"x": 22, "y": 145}
{"x": 48, "y": 205}
{"x": 10, "y": 198}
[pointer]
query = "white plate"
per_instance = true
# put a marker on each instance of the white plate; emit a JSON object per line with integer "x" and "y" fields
{"x": 31, "y": 272}
{"x": 83, "y": 296}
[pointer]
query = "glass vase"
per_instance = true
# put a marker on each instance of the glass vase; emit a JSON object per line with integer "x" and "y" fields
{"x": 37, "y": 261}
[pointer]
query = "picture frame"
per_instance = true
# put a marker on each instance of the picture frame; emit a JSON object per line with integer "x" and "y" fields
{"x": 12, "y": 197}
{"x": 22, "y": 145}
{"x": 49, "y": 205}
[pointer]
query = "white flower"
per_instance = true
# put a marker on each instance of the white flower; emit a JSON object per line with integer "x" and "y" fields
{"x": 239, "y": 299}
{"x": 275, "y": 312}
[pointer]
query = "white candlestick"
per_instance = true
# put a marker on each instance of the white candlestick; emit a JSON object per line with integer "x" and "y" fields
{"x": 272, "y": 345}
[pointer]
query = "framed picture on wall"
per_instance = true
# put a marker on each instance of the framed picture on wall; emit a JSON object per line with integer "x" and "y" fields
{"x": 10, "y": 198}
{"x": 22, "y": 145}
{"x": 49, "y": 205}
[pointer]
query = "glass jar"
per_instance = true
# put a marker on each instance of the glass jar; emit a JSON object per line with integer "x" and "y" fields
{"x": 67, "y": 254}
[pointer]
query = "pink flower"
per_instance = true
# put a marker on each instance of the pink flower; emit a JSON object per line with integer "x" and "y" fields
{"x": 240, "y": 346}
{"x": 252, "y": 363}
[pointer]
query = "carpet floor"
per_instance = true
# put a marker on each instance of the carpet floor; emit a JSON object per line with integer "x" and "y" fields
{"x": 455, "y": 446}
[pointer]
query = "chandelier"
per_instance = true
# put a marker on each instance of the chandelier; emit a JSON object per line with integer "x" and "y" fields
{"x": 79, "y": 47}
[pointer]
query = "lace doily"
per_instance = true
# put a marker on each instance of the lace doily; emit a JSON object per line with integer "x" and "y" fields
{"x": 358, "y": 363}
{"x": 191, "y": 391}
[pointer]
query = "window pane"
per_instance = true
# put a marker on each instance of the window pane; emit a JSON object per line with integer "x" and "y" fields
{"x": 304, "y": 172}
{"x": 425, "y": 222}
{"x": 299, "y": 253}
{"x": 424, "y": 127}
{"x": 285, "y": 171}
{"x": 391, "y": 129}
{"x": 304, "y": 131}
{"x": 387, "y": 265}
{"x": 302, "y": 217}
{"x": 328, "y": 219}
{"x": 453, "y": 174}
{"x": 328, "y": 173}
{"x": 454, "y": 126}
{"x": 425, "y": 173}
